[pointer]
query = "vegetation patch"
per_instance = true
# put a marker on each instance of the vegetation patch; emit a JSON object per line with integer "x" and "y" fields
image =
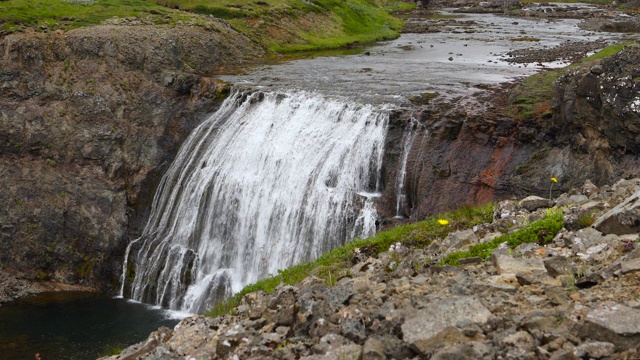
{"x": 532, "y": 98}
{"x": 541, "y": 232}
{"x": 332, "y": 265}
{"x": 279, "y": 25}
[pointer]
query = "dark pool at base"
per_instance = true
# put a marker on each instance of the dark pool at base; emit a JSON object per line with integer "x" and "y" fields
{"x": 74, "y": 325}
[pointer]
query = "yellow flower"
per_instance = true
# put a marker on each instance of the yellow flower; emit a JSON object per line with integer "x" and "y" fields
{"x": 554, "y": 179}
{"x": 443, "y": 221}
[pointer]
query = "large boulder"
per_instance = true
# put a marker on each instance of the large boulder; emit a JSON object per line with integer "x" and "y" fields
{"x": 427, "y": 323}
{"x": 622, "y": 219}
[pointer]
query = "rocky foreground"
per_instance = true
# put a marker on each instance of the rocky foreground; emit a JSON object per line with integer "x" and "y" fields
{"x": 576, "y": 297}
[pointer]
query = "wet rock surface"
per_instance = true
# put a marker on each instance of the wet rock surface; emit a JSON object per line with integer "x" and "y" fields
{"x": 440, "y": 312}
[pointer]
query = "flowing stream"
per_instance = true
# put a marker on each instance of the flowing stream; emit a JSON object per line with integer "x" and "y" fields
{"x": 270, "y": 180}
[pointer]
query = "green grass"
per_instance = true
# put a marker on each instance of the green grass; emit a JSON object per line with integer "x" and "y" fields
{"x": 279, "y": 25}
{"x": 334, "y": 264}
{"x": 60, "y": 14}
{"x": 532, "y": 98}
{"x": 541, "y": 231}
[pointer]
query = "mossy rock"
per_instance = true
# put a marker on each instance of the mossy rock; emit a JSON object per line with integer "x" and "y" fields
{"x": 424, "y": 98}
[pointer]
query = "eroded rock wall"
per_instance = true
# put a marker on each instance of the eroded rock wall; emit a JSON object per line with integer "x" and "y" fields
{"x": 474, "y": 153}
{"x": 88, "y": 120}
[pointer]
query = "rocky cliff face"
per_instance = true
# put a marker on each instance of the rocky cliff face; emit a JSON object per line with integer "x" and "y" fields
{"x": 88, "y": 120}
{"x": 469, "y": 153}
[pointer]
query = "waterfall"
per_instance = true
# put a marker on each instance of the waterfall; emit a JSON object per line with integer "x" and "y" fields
{"x": 407, "y": 141}
{"x": 270, "y": 180}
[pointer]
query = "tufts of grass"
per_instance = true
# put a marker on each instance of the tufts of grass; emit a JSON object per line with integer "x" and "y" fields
{"x": 335, "y": 263}
{"x": 541, "y": 231}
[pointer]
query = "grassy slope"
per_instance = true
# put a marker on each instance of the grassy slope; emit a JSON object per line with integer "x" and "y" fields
{"x": 335, "y": 264}
{"x": 279, "y": 25}
{"x": 532, "y": 98}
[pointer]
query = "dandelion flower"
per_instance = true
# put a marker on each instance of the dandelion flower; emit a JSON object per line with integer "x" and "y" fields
{"x": 443, "y": 221}
{"x": 554, "y": 180}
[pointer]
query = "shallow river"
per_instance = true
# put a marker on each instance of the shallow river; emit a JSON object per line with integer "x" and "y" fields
{"x": 470, "y": 50}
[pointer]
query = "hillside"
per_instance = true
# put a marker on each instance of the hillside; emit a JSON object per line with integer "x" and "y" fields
{"x": 278, "y": 25}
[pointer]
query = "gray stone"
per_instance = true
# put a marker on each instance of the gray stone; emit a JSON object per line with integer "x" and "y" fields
{"x": 504, "y": 209}
{"x": 556, "y": 295}
{"x": 459, "y": 239}
{"x": 373, "y": 350}
{"x": 346, "y": 352}
{"x": 534, "y": 278}
{"x": 630, "y": 266}
{"x": 506, "y": 264}
{"x": 589, "y": 188}
{"x": 487, "y": 286}
{"x": 595, "y": 349}
{"x": 531, "y": 203}
{"x": 425, "y": 324}
{"x": 456, "y": 352}
{"x": 558, "y": 265}
{"x": 353, "y": 330}
{"x": 328, "y": 342}
{"x": 614, "y": 323}
{"x": 622, "y": 219}
{"x": 563, "y": 354}
{"x": 522, "y": 340}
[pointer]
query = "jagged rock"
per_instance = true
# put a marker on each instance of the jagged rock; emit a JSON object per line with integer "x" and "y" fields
{"x": 614, "y": 323}
{"x": 536, "y": 278}
{"x": 459, "y": 352}
{"x": 556, "y": 295}
{"x": 522, "y": 340}
{"x": 353, "y": 330}
{"x": 459, "y": 239}
{"x": 423, "y": 325}
{"x": 622, "y": 219}
{"x": 563, "y": 355}
{"x": 532, "y": 203}
{"x": 374, "y": 350}
{"x": 595, "y": 350}
{"x": 630, "y": 266}
{"x": 505, "y": 209}
{"x": 155, "y": 339}
{"x": 589, "y": 281}
{"x": 506, "y": 264}
{"x": 557, "y": 265}
{"x": 333, "y": 346}
{"x": 589, "y": 189}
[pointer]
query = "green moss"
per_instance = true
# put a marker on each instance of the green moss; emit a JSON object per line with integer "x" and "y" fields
{"x": 336, "y": 263}
{"x": 541, "y": 231}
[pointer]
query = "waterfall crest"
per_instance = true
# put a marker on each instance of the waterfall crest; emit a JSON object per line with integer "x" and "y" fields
{"x": 268, "y": 181}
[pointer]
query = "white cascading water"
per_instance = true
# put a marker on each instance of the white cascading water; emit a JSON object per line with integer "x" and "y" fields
{"x": 407, "y": 142}
{"x": 270, "y": 180}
